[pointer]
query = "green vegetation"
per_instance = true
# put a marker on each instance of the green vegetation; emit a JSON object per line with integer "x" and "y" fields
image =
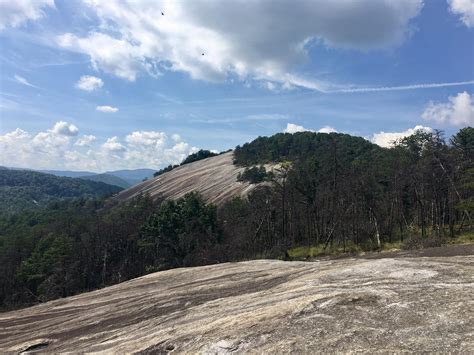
{"x": 165, "y": 170}
{"x": 343, "y": 190}
{"x": 199, "y": 155}
{"x": 305, "y": 252}
{"x": 298, "y": 146}
{"x": 330, "y": 194}
{"x": 254, "y": 175}
{"x": 82, "y": 244}
{"x": 181, "y": 233}
{"x": 465, "y": 238}
{"x": 107, "y": 179}
{"x": 23, "y": 189}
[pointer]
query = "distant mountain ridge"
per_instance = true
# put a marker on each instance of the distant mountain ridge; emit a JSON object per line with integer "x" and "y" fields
{"x": 130, "y": 177}
{"x": 133, "y": 176}
{"x": 108, "y": 179}
{"x": 26, "y": 189}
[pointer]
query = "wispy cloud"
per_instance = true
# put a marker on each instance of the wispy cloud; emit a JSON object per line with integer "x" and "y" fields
{"x": 398, "y": 88}
{"x": 326, "y": 87}
{"x": 23, "y": 81}
{"x": 169, "y": 98}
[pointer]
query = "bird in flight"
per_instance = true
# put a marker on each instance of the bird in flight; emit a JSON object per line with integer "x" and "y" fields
{"x": 202, "y": 54}
{"x": 162, "y": 13}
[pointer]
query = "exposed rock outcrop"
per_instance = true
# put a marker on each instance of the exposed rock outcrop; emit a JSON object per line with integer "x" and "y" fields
{"x": 214, "y": 178}
{"x": 264, "y": 306}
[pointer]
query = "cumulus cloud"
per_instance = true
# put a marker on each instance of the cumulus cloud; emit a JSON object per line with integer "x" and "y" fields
{"x": 387, "y": 139}
{"x": 85, "y": 140}
{"x": 458, "y": 111}
{"x": 293, "y": 128}
{"x": 239, "y": 39}
{"x": 65, "y": 129}
{"x": 327, "y": 129}
{"x": 113, "y": 145}
{"x": 57, "y": 148}
{"x": 89, "y": 83}
{"x": 16, "y": 12}
{"x": 464, "y": 9}
{"x": 107, "y": 109}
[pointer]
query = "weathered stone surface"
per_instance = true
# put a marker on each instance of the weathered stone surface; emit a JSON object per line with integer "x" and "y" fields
{"x": 214, "y": 178}
{"x": 266, "y": 306}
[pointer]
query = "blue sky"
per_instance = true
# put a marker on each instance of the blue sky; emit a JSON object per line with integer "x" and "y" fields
{"x": 100, "y": 85}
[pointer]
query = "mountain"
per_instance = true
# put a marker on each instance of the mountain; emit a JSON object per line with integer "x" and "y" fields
{"x": 219, "y": 178}
{"x": 25, "y": 189}
{"x": 369, "y": 305}
{"x": 131, "y": 177}
{"x": 108, "y": 179}
{"x": 215, "y": 178}
{"x": 68, "y": 173}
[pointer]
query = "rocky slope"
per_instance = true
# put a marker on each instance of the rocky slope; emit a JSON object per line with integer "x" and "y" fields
{"x": 266, "y": 306}
{"x": 215, "y": 178}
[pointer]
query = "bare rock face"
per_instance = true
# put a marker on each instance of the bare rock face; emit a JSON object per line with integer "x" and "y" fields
{"x": 265, "y": 306}
{"x": 214, "y": 178}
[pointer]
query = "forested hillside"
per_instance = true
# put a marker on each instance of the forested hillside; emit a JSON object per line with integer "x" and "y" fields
{"x": 338, "y": 188}
{"x": 24, "y": 189}
{"x": 330, "y": 192}
{"x": 107, "y": 179}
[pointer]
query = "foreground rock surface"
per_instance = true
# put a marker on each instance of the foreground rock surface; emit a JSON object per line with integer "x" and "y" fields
{"x": 369, "y": 305}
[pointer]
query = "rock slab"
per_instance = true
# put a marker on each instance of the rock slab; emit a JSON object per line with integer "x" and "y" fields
{"x": 422, "y": 304}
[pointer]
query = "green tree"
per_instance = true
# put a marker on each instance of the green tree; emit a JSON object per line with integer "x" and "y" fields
{"x": 182, "y": 232}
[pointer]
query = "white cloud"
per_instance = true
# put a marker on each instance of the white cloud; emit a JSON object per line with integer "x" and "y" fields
{"x": 85, "y": 140}
{"x": 152, "y": 148}
{"x": 89, "y": 83}
{"x": 134, "y": 38}
{"x": 14, "y": 13}
{"x": 459, "y": 111}
{"x": 65, "y": 129}
{"x": 353, "y": 89}
{"x": 56, "y": 148}
{"x": 107, "y": 109}
{"x": 23, "y": 81}
{"x": 465, "y": 10}
{"x": 293, "y": 128}
{"x": 327, "y": 129}
{"x": 113, "y": 145}
{"x": 387, "y": 139}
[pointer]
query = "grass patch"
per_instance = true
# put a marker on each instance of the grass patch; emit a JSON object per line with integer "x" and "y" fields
{"x": 464, "y": 238}
{"x": 306, "y": 252}
{"x": 393, "y": 245}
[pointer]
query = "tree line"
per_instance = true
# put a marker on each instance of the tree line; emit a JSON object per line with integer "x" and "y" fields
{"x": 327, "y": 190}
